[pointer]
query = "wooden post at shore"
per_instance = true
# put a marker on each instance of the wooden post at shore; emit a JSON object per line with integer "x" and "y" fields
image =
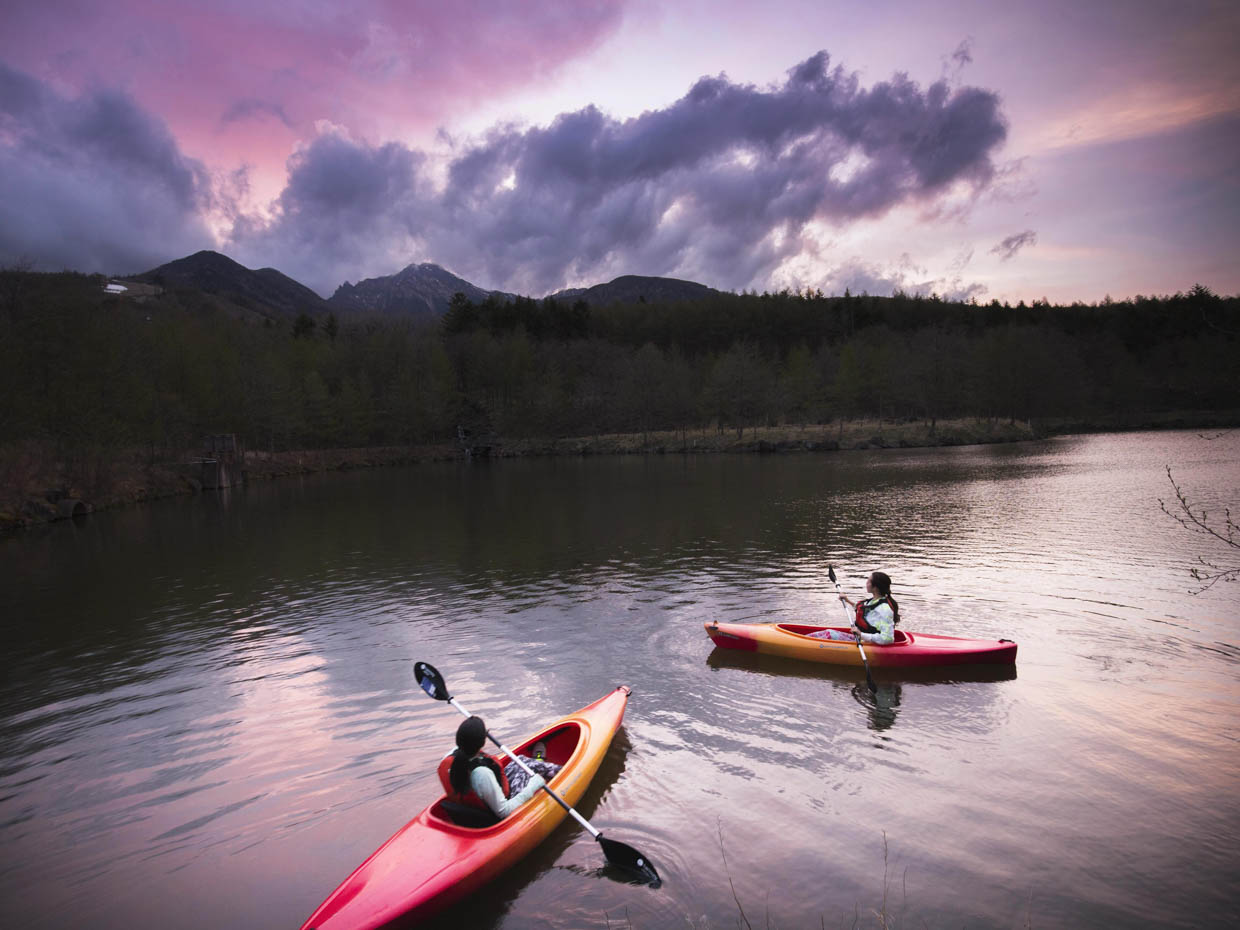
{"x": 222, "y": 463}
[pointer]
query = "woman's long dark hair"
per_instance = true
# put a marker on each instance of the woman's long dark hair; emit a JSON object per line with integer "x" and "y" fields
{"x": 883, "y": 584}
{"x": 458, "y": 774}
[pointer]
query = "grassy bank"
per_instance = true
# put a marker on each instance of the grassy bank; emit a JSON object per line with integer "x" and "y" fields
{"x": 40, "y": 484}
{"x": 856, "y": 434}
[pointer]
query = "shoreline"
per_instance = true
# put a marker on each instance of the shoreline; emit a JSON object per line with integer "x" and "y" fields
{"x": 36, "y": 488}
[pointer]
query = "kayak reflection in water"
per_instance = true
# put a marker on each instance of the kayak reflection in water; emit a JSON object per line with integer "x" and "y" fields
{"x": 474, "y": 779}
{"x": 876, "y": 618}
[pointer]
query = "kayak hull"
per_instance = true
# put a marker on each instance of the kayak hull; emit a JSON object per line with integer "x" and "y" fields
{"x": 911, "y": 650}
{"x": 431, "y": 862}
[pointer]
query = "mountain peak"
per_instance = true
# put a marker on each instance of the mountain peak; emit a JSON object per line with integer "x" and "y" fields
{"x": 423, "y": 289}
{"x": 266, "y": 292}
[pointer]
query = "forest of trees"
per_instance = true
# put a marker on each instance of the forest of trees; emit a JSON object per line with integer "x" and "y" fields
{"x": 78, "y": 367}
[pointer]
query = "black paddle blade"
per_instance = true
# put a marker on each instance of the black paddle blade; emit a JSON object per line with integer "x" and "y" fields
{"x": 431, "y": 681}
{"x": 625, "y": 857}
{"x": 831, "y": 573}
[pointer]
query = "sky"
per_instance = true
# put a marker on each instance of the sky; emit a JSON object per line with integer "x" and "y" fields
{"x": 975, "y": 149}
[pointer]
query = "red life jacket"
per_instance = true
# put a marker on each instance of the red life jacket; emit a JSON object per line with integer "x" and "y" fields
{"x": 470, "y": 797}
{"x": 862, "y": 609}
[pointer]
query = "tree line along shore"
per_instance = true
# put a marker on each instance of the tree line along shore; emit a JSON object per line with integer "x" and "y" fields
{"x": 103, "y": 398}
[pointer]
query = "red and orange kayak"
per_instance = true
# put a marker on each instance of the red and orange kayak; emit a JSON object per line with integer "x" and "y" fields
{"x": 432, "y": 862}
{"x": 910, "y": 650}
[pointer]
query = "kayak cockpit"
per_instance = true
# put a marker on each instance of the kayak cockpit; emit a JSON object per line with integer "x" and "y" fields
{"x": 560, "y": 745}
{"x": 804, "y": 629}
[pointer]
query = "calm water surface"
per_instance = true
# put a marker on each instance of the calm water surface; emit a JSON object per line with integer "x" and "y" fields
{"x": 209, "y": 717}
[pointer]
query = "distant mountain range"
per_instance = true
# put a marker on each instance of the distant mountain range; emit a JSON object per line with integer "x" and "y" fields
{"x": 417, "y": 290}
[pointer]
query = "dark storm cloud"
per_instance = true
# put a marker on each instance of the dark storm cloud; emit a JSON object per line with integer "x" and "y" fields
{"x": 718, "y": 186}
{"x": 347, "y": 209}
{"x": 336, "y": 176}
{"x": 1012, "y": 244}
{"x": 92, "y": 183}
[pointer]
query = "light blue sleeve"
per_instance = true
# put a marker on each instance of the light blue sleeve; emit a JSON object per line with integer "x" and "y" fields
{"x": 882, "y": 618}
{"x": 485, "y": 785}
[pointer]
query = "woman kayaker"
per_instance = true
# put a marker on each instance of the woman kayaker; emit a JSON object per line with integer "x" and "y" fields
{"x": 876, "y": 618}
{"x": 477, "y": 780}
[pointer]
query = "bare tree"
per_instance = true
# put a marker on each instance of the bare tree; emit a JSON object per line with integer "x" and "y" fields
{"x": 1196, "y": 519}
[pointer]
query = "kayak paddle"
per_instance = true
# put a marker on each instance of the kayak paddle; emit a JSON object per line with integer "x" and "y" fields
{"x": 618, "y": 854}
{"x": 869, "y": 680}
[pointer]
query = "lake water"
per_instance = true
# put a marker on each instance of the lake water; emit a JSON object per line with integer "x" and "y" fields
{"x": 209, "y": 716}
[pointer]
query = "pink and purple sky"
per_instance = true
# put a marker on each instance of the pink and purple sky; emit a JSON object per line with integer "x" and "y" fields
{"x": 972, "y": 148}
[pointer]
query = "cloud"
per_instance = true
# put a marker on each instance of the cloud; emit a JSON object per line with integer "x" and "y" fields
{"x": 374, "y": 65}
{"x": 720, "y": 185}
{"x": 959, "y": 59}
{"x": 1012, "y": 244}
{"x": 251, "y": 108}
{"x": 859, "y": 276}
{"x": 963, "y": 55}
{"x": 93, "y": 183}
{"x": 347, "y": 209}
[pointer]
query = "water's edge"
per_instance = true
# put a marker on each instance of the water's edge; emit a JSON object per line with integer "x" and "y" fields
{"x": 46, "y": 489}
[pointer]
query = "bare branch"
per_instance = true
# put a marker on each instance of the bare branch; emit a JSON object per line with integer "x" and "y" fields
{"x": 1198, "y": 520}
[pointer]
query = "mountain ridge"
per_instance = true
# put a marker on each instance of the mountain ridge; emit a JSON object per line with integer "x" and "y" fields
{"x": 634, "y": 288}
{"x": 422, "y": 289}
